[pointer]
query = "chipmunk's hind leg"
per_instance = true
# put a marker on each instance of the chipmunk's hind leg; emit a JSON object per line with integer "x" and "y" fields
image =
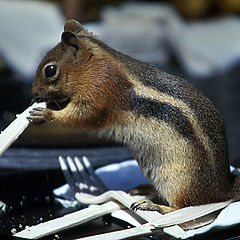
{"x": 148, "y": 205}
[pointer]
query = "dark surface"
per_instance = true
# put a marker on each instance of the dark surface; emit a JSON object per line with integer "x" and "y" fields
{"x": 44, "y": 158}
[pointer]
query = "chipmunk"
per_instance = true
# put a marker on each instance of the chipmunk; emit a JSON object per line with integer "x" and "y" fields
{"x": 174, "y": 132}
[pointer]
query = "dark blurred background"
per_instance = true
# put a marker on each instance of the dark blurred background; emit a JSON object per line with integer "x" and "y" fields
{"x": 196, "y": 39}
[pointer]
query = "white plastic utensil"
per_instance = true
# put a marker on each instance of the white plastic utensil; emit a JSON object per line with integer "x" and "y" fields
{"x": 153, "y": 228}
{"x": 67, "y": 221}
{"x": 12, "y": 132}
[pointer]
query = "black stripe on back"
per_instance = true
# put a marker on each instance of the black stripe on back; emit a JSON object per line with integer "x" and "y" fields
{"x": 164, "y": 112}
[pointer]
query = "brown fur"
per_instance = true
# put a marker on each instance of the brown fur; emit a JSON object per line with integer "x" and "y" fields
{"x": 174, "y": 132}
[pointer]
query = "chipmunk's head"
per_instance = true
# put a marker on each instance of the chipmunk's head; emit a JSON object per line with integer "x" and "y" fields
{"x": 79, "y": 70}
{"x": 63, "y": 67}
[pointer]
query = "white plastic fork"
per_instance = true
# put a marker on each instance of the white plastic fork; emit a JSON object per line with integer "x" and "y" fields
{"x": 82, "y": 180}
{"x": 85, "y": 184}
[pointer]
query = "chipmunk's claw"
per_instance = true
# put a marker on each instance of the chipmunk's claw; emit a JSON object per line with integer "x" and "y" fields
{"x": 148, "y": 205}
{"x": 145, "y": 205}
{"x": 37, "y": 115}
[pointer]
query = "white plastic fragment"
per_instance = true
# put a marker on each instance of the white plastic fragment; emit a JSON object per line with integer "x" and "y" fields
{"x": 13, "y": 131}
{"x": 67, "y": 221}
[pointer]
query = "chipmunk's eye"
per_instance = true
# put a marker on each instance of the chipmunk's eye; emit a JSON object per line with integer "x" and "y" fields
{"x": 50, "y": 71}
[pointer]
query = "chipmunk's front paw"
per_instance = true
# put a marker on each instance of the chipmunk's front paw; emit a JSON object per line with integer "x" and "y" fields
{"x": 39, "y": 115}
{"x": 147, "y": 205}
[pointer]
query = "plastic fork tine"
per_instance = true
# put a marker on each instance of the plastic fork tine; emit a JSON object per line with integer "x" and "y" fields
{"x": 71, "y": 164}
{"x": 67, "y": 175}
{"x": 77, "y": 177}
{"x": 91, "y": 172}
{"x": 92, "y": 186}
{"x": 82, "y": 171}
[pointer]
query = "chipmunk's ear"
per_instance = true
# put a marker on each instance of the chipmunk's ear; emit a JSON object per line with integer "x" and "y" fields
{"x": 70, "y": 40}
{"x": 74, "y": 26}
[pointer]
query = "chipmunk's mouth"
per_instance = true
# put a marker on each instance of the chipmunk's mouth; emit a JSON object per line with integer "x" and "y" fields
{"x": 58, "y": 103}
{"x": 54, "y": 103}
